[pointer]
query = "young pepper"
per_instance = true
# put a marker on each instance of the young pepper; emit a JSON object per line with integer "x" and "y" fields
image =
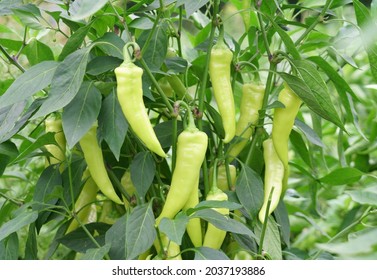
{"x": 214, "y": 236}
{"x": 57, "y": 151}
{"x": 282, "y": 126}
{"x": 191, "y": 149}
{"x": 219, "y": 71}
{"x": 222, "y": 179}
{"x": 251, "y": 103}
{"x": 273, "y": 179}
{"x": 83, "y": 204}
{"x": 130, "y": 95}
{"x": 94, "y": 159}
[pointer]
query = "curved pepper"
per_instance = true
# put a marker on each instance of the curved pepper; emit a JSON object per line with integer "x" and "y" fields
{"x": 130, "y": 96}
{"x": 219, "y": 71}
{"x": 251, "y": 103}
{"x": 57, "y": 151}
{"x": 282, "y": 126}
{"x": 94, "y": 159}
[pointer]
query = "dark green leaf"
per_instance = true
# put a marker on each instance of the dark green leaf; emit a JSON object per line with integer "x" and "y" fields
{"x": 102, "y": 64}
{"x": 142, "y": 170}
{"x": 140, "y": 231}
{"x": 342, "y": 176}
{"x": 300, "y": 146}
{"x": 79, "y": 240}
{"x": 164, "y": 132}
{"x": 113, "y": 124}
{"x": 30, "y": 16}
{"x": 282, "y": 219}
{"x": 9, "y": 247}
{"x": 66, "y": 82}
{"x": 21, "y": 220}
{"x": 36, "y": 52}
{"x": 309, "y": 133}
{"x": 216, "y": 120}
{"x": 31, "y": 249}
{"x": 249, "y": 189}
{"x": 176, "y": 65}
{"x": 216, "y": 204}
{"x": 32, "y": 81}
{"x": 116, "y": 237}
{"x": 174, "y": 229}
{"x": 192, "y": 6}
{"x": 96, "y": 253}
{"x": 222, "y": 222}
{"x": 111, "y": 44}
{"x": 205, "y": 253}
{"x": 74, "y": 41}
{"x": 80, "y": 114}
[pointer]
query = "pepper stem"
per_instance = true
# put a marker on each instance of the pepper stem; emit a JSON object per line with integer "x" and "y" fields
{"x": 129, "y": 57}
{"x": 214, "y": 187}
{"x": 191, "y": 121}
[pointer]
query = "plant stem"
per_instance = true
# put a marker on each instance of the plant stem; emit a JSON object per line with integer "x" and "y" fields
{"x": 11, "y": 59}
{"x": 313, "y": 25}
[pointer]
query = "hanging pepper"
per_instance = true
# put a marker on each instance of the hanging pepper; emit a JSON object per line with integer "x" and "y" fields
{"x": 191, "y": 149}
{"x": 219, "y": 71}
{"x": 94, "y": 159}
{"x": 222, "y": 179}
{"x": 130, "y": 95}
{"x": 273, "y": 179}
{"x": 214, "y": 236}
{"x": 83, "y": 205}
{"x": 251, "y": 103}
{"x": 282, "y": 126}
{"x": 57, "y": 151}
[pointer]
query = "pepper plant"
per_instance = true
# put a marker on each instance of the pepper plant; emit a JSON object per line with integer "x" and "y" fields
{"x": 177, "y": 129}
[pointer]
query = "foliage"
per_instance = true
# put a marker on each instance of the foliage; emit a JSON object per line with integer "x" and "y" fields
{"x": 58, "y": 60}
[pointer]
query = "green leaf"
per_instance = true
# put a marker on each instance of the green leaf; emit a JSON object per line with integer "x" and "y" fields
{"x": 48, "y": 183}
{"x": 289, "y": 44}
{"x": 36, "y": 52}
{"x": 317, "y": 104}
{"x": 79, "y": 241}
{"x": 111, "y": 44}
{"x": 82, "y": 9}
{"x": 215, "y": 120}
{"x": 222, "y": 222}
{"x": 192, "y": 6}
{"x": 9, "y": 247}
{"x": 164, "y": 132}
{"x": 31, "y": 248}
{"x": 342, "y": 176}
{"x": 142, "y": 170}
{"x": 205, "y": 253}
{"x": 368, "y": 27}
{"x": 300, "y": 146}
{"x": 8, "y": 151}
{"x": 6, "y": 6}
{"x": 217, "y": 204}
{"x": 32, "y": 81}
{"x": 271, "y": 242}
{"x": 96, "y": 253}
{"x": 30, "y": 147}
{"x": 174, "y": 229}
{"x": 364, "y": 196}
{"x": 309, "y": 133}
{"x": 102, "y": 64}
{"x": 66, "y": 82}
{"x": 140, "y": 231}
{"x": 80, "y": 114}
{"x": 113, "y": 124}
{"x": 282, "y": 220}
{"x": 363, "y": 243}
{"x": 74, "y": 41}
{"x": 116, "y": 237}
{"x": 314, "y": 81}
{"x": 30, "y": 16}
{"x": 21, "y": 220}
{"x": 154, "y": 54}
{"x": 249, "y": 190}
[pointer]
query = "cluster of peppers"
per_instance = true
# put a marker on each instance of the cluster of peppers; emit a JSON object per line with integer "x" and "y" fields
{"x": 192, "y": 145}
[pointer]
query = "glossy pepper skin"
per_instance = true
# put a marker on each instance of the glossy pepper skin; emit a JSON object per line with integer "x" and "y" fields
{"x": 214, "y": 236}
{"x": 83, "y": 203}
{"x": 57, "y": 151}
{"x": 130, "y": 96}
{"x": 194, "y": 228}
{"x": 94, "y": 159}
{"x": 191, "y": 149}
{"x": 282, "y": 126}
{"x": 273, "y": 178}
{"x": 219, "y": 72}
{"x": 222, "y": 180}
{"x": 251, "y": 103}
